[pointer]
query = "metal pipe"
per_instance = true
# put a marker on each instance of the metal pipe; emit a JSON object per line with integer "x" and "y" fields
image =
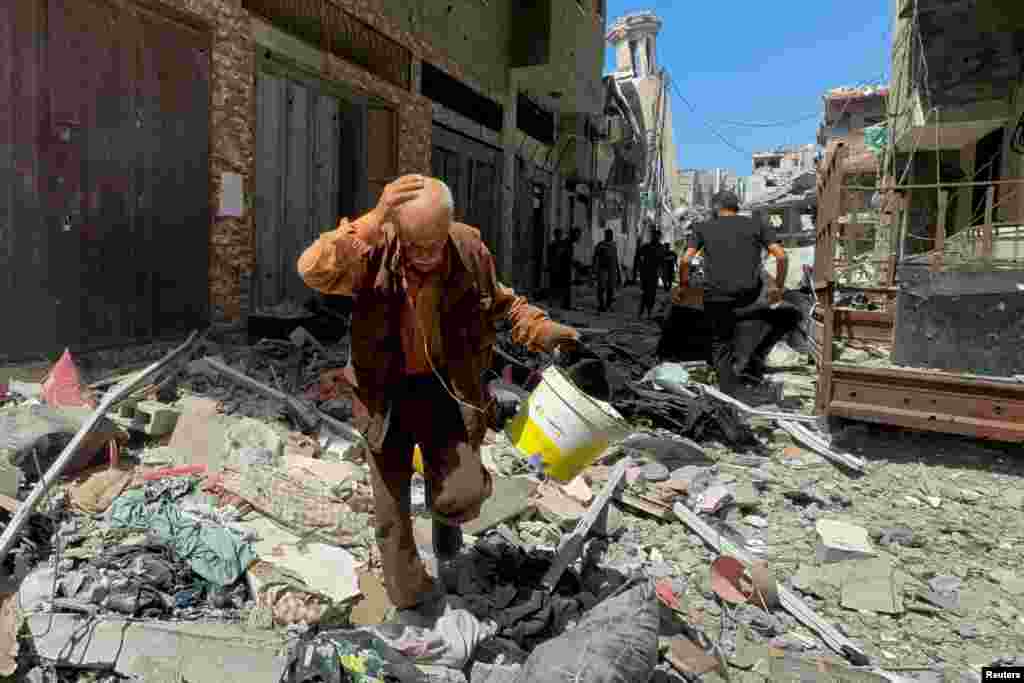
{"x": 117, "y": 395}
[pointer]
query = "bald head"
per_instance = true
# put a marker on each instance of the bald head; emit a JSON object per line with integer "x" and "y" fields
{"x": 423, "y": 224}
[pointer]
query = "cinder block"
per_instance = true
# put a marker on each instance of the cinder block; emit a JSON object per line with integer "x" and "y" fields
{"x": 149, "y": 417}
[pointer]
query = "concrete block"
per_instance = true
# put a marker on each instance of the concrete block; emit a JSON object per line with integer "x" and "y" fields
{"x": 149, "y": 417}
{"x": 226, "y": 653}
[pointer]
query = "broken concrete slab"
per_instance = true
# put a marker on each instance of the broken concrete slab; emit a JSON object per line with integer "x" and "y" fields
{"x": 1008, "y": 580}
{"x": 838, "y": 541}
{"x": 873, "y": 585}
{"x": 511, "y": 498}
{"x": 226, "y": 653}
{"x": 199, "y": 432}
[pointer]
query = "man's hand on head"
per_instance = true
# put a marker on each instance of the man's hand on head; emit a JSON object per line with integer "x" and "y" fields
{"x": 399, "y": 192}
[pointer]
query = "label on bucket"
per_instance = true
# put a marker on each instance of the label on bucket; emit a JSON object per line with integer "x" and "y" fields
{"x": 559, "y": 423}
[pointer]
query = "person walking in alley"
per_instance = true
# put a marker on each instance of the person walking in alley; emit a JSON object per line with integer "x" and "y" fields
{"x": 606, "y": 269}
{"x": 647, "y": 268}
{"x": 733, "y": 248}
{"x": 560, "y": 269}
{"x": 668, "y": 267}
{"x": 554, "y": 266}
{"x": 426, "y": 301}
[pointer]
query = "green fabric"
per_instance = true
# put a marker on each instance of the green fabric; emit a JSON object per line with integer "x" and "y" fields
{"x": 876, "y": 138}
{"x": 215, "y": 553}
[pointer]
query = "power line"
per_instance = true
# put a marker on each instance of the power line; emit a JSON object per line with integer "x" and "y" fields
{"x": 714, "y": 131}
{"x": 774, "y": 124}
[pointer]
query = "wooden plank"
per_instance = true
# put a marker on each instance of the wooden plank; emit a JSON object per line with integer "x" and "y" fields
{"x": 328, "y": 150}
{"x": 572, "y": 545}
{"x": 298, "y": 193}
{"x": 269, "y": 181}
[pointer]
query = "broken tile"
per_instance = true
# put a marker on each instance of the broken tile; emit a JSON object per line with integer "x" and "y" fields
{"x": 579, "y": 490}
{"x": 511, "y": 498}
{"x": 838, "y": 541}
{"x": 873, "y": 585}
{"x": 558, "y": 508}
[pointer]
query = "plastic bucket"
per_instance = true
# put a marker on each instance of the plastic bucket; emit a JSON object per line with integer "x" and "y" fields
{"x": 564, "y": 426}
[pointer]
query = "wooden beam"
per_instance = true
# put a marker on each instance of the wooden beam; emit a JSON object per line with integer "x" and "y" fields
{"x": 986, "y": 228}
{"x": 940, "y": 233}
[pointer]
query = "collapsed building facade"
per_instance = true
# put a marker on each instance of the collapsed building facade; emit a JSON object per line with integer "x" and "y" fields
{"x": 647, "y": 89}
{"x": 167, "y": 161}
{"x": 921, "y": 251}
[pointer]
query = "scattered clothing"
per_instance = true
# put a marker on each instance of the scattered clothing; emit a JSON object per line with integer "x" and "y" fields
{"x": 215, "y": 553}
{"x": 450, "y": 643}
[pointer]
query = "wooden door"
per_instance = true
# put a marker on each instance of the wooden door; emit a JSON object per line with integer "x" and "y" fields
{"x": 382, "y": 150}
{"x": 309, "y": 172}
{"x": 472, "y": 170}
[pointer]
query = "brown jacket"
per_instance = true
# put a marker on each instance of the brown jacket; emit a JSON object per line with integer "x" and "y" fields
{"x": 473, "y": 302}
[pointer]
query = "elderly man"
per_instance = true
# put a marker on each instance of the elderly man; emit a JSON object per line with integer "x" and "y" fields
{"x": 426, "y": 300}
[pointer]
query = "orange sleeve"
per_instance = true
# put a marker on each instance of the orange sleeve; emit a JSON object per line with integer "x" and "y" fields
{"x": 337, "y": 262}
{"x": 531, "y": 327}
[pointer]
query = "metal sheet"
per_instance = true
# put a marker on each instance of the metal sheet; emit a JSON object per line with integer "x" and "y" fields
{"x": 177, "y": 78}
{"x": 975, "y": 333}
{"x": 25, "y": 255}
{"x": 930, "y": 401}
{"x": 298, "y": 188}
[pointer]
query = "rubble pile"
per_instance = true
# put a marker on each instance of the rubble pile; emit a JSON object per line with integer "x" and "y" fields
{"x": 203, "y": 531}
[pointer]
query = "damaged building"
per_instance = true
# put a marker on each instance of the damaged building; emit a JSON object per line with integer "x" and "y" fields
{"x": 171, "y": 159}
{"x": 939, "y": 278}
{"x": 647, "y": 88}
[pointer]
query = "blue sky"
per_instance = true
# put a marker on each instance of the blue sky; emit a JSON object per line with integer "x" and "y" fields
{"x": 760, "y": 62}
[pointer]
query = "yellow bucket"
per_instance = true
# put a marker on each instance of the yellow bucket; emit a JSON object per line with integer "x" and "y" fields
{"x": 564, "y": 426}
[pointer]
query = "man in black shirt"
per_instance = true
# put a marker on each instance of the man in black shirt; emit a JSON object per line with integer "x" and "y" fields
{"x": 607, "y": 271}
{"x": 647, "y": 268}
{"x": 733, "y": 248}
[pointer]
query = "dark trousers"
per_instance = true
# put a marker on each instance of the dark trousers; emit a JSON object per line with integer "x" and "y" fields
{"x": 605, "y": 290}
{"x": 721, "y": 315}
{"x": 649, "y": 295}
{"x": 423, "y": 413}
{"x": 562, "y": 293}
